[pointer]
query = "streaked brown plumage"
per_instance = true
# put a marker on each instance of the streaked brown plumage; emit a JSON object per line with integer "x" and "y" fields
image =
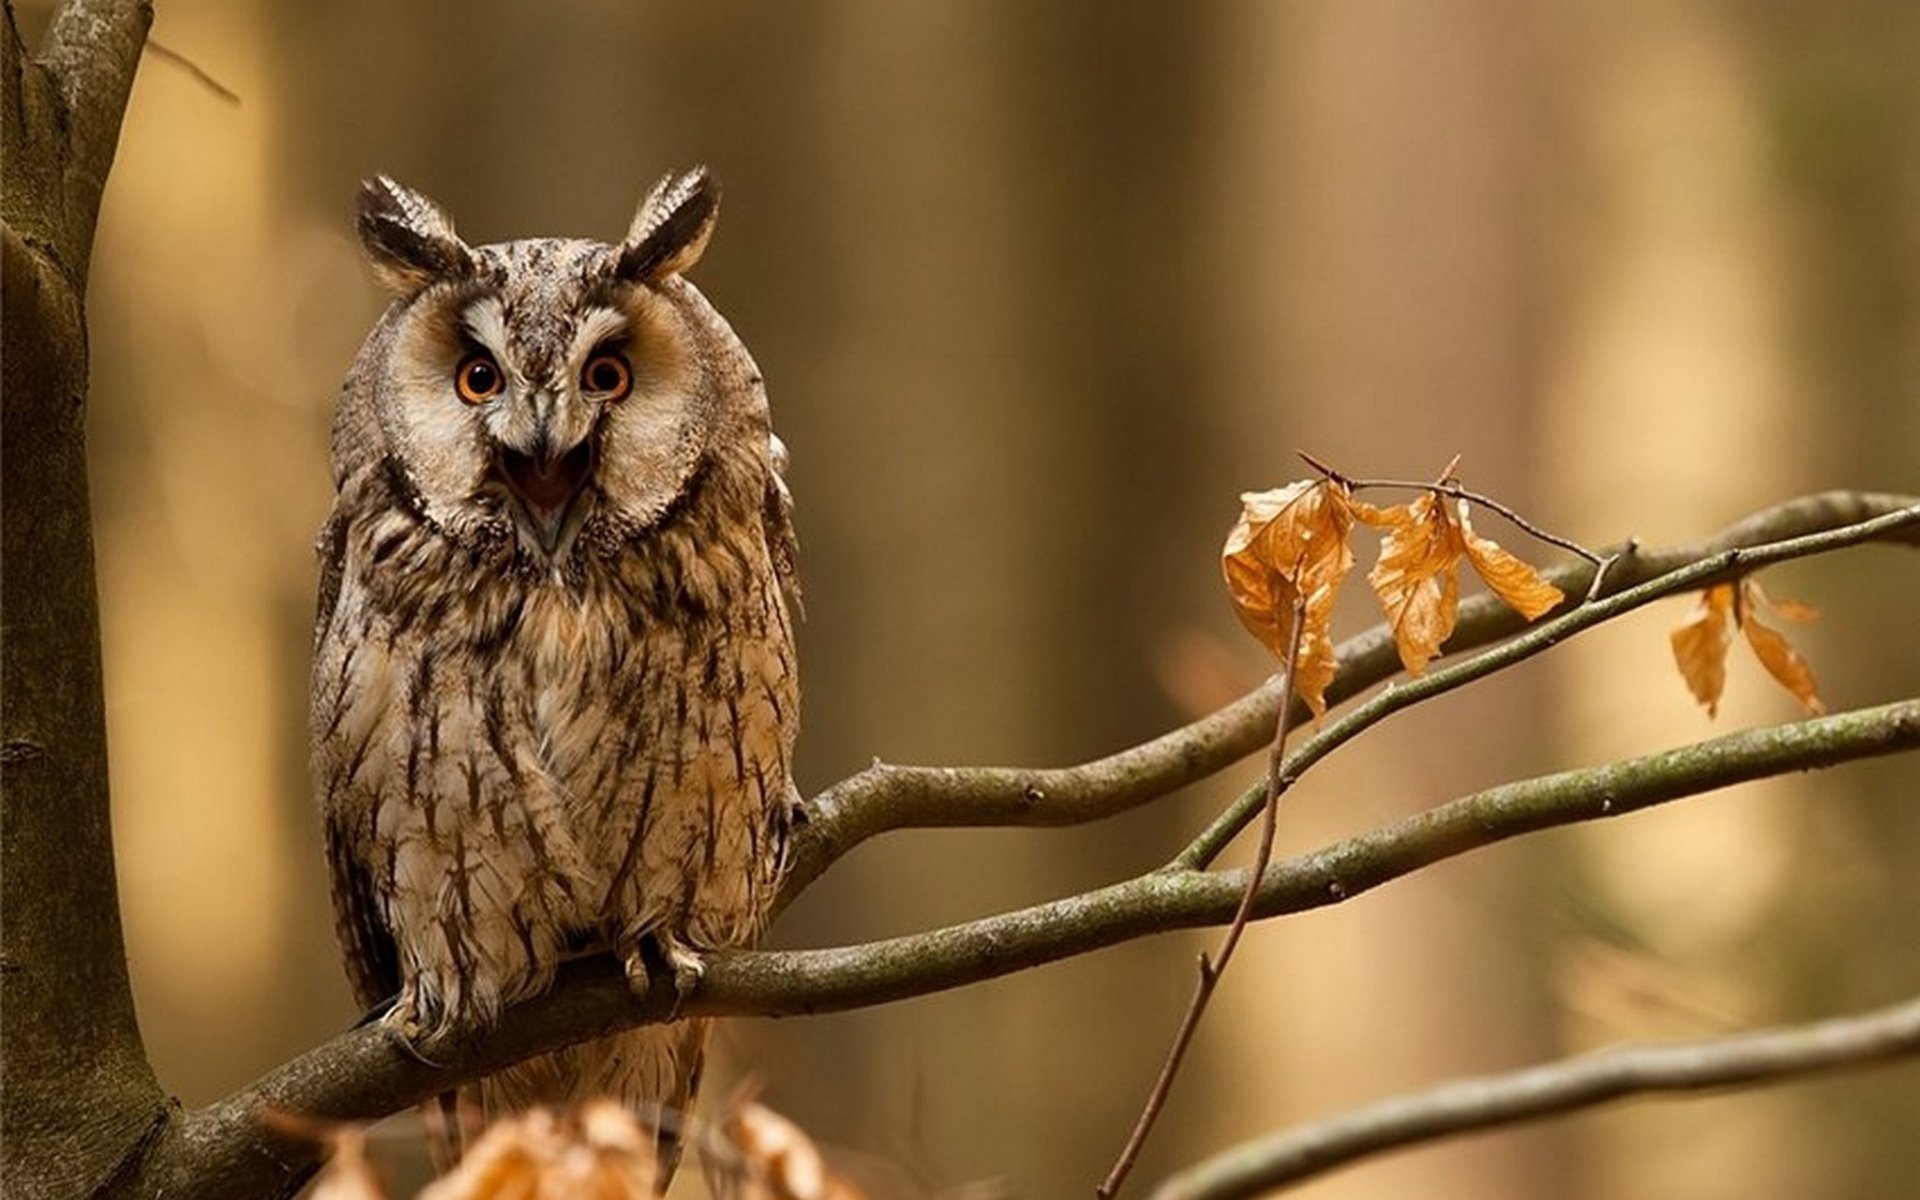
{"x": 554, "y": 695}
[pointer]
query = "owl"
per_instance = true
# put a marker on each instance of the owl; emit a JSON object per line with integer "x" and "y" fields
{"x": 554, "y": 696}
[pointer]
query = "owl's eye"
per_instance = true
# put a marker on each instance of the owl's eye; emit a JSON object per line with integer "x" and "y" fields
{"x": 607, "y": 376}
{"x": 478, "y": 378}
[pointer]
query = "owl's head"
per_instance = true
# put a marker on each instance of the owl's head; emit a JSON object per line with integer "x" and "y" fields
{"x": 537, "y": 389}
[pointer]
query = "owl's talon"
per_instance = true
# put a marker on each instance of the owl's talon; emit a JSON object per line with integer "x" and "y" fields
{"x": 403, "y": 1016}
{"x": 402, "y": 1023}
{"x": 688, "y": 970}
{"x": 635, "y": 967}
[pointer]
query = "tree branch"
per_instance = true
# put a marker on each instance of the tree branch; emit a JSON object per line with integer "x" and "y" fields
{"x": 1489, "y": 1102}
{"x": 885, "y": 797}
{"x": 1542, "y": 636}
{"x": 223, "y": 1151}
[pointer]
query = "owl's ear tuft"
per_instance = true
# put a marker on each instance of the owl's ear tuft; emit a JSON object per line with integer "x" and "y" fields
{"x": 408, "y": 238}
{"x": 672, "y": 227}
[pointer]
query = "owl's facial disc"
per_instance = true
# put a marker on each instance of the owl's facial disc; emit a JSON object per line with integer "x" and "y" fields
{"x": 547, "y": 491}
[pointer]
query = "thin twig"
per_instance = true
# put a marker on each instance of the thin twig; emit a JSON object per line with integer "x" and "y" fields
{"x": 1446, "y": 487}
{"x": 1212, "y": 969}
{"x": 162, "y": 51}
{"x": 1490, "y": 1102}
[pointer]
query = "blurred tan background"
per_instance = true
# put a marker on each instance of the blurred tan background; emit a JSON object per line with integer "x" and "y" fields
{"x": 1038, "y": 288}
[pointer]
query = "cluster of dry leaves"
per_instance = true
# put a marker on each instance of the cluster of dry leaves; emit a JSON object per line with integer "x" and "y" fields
{"x": 1289, "y": 553}
{"x": 601, "y": 1151}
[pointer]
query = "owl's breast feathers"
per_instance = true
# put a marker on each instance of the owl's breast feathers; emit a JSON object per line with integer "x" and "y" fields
{"x": 517, "y": 763}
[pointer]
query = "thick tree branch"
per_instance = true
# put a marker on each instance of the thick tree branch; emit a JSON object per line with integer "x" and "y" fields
{"x": 223, "y": 1151}
{"x": 885, "y": 797}
{"x": 79, "y": 1093}
{"x": 1489, "y": 1102}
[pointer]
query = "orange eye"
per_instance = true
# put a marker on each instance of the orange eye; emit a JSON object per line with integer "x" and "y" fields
{"x": 478, "y": 378}
{"x": 607, "y": 376}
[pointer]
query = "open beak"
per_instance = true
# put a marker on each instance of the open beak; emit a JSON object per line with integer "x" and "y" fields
{"x": 547, "y": 487}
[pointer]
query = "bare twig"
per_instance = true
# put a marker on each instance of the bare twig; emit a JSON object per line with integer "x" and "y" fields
{"x": 1490, "y": 1102}
{"x": 888, "y": 797}
{"x": 1446, "y": 486}
{"x": 1211, "y": 969}
{"x": 362, "y": 1074}
{"x": 200, "y": 74}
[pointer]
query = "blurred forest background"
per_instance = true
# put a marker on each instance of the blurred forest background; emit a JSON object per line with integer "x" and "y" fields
{"x": 1038, "y": 289}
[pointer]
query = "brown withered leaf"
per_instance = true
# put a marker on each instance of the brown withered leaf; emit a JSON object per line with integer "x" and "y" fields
{"x": 1516, "y": 582}
{"x": 1418, "y": 575}
{"x": 1773, "y": 650}
{"x": 1702, "y": 640}
{"x": 599, "y": 1151}
{"x": 1290, "y": 545}
{"x": 1700, "y": 645}
{"x": 778, "y": 1161}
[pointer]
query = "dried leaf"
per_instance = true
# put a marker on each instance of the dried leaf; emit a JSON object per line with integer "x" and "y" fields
{"x": 1792, "y": 610}
{"x": 1512, "y": 580}
{"x": 1754, "y": 596}
{"x": 1771, "y": 647}
{"x": 779, "y": 1161}
{"x": 1289, "y": 547}
{"x": 1700, "y": 645}
{"x": 599, "y": 1151}
{"x": 1418, "y": 576}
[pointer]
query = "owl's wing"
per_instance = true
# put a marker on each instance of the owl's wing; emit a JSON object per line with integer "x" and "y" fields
{"x": 782, "y": 541}
{"x": 373, "y": 960}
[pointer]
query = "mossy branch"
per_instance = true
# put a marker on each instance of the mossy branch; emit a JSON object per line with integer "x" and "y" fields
{"x": 224, "y": 1151}
{"x": 1462, "y": 1106}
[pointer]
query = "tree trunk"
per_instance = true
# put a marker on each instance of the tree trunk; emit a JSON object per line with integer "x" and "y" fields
{"x": 79, "y": 1093}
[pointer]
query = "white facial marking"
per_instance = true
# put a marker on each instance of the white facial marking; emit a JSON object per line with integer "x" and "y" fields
{"x": 485, "y": 321}
{"x": 596, "y": 326}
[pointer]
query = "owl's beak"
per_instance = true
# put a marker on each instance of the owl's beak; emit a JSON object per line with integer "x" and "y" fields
{"x": 546, "y": 487}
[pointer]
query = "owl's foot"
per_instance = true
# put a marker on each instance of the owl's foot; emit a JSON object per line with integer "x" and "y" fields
{"x": 408, "y": 1031}
{"x": 683, "y": 960}
{"x": 403, "y": 1016}
{"x": 688, "y": 968}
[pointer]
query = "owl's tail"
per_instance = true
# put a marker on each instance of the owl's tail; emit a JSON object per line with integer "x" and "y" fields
{"x": 653, "y": 1070}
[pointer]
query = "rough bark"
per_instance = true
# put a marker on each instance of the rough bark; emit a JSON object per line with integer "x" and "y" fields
{"x": 79, "y": 1094}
